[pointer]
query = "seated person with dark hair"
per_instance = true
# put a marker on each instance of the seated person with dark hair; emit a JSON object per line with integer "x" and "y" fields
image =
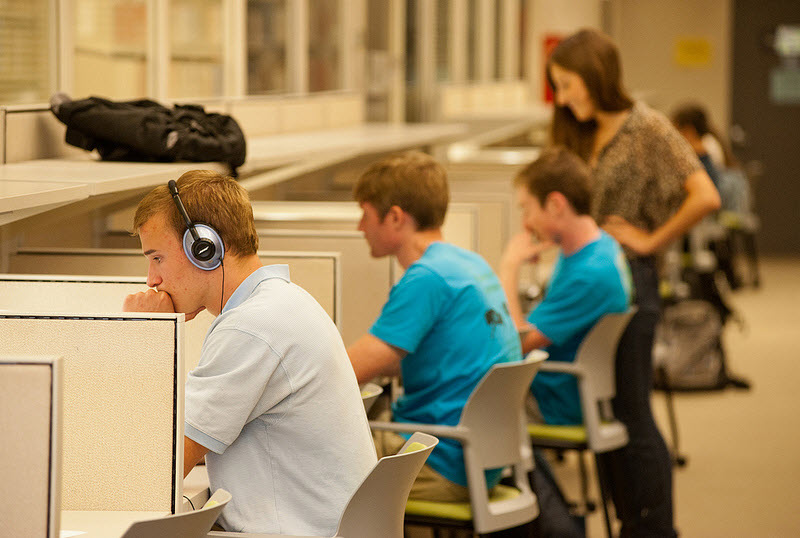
{"x": 591, "y": 277}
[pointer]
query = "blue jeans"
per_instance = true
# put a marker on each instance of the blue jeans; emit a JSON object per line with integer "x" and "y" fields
{"x": 641, "y": 472}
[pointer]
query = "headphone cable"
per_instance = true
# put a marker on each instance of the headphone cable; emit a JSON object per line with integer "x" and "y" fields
{"x": 222, "y": 293}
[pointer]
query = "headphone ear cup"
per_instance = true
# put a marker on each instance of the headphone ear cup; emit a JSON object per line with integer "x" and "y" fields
{"x": 209, "y": 246}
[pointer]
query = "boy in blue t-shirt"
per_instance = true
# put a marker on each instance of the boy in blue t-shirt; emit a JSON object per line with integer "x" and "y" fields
{"x": 591, "y": 276}
{"x": 446, "y": 322}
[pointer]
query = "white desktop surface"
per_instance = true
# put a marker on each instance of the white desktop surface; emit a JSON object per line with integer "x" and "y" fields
{"x": 294, "y": 211}
{"x": 21, "y": 194}
{"x": 102, "y": 177}
{"x": 101, "y": 524}
{"x": 277, "y": 150}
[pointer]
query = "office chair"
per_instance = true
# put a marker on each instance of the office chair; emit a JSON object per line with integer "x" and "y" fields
{"x": 370, "y": 393}
{"x": 491, "y": 434}
{"x": 194, "y": 524}
{"x": 600, "y": 432}
{"x": 376, "y": 508}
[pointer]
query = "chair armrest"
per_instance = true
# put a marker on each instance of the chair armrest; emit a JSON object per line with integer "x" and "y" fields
{"x": 451, "y": 432}
{"x": 561, "y": 367}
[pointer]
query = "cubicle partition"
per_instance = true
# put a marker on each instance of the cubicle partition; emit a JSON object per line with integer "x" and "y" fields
{"x": 460, "y": 225}
{"x": 366, "y": 281}
{"x": 332, "y": 226}
{"x": 33, "y": 132}
{"x": 496, "y": 211}
{"x": 493, "y": 182}
{"x": 30, "y": 450}
{"x": 122, "y": 405}
{"x": 318, "y": 273}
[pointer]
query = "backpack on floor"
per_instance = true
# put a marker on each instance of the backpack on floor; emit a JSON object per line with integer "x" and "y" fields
{"x": 688, "y": 353}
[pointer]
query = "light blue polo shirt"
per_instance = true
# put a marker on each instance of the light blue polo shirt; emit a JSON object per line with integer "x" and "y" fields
{"x": 275, "y": 399}
{"x": 449, "y": 313}
{"x": 584, "y": 286}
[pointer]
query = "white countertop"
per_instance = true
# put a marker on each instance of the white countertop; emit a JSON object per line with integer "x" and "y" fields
{"x": 34, "y": 186}
{"x": 105, "y": 524}
{"x": 18, "y": 195}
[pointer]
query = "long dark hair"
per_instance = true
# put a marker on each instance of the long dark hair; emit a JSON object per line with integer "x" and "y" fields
{"x": 594, "y": 57}
{"x": 694, "y": 115}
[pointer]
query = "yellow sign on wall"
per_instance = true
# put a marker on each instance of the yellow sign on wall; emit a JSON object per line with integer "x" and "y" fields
{"x": 692, "y": 52}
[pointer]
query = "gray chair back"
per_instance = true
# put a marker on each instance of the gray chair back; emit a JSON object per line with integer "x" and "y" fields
{"x": 493, "y": 418}
{"x": 194, "y": 524}
{"x": 377, "y": 508}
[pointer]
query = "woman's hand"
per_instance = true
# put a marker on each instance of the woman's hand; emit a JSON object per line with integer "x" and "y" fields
{"x": 638, "y": 240}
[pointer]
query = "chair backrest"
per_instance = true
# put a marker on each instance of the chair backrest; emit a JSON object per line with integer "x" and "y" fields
{"x": 492, "y": 409}
{"x": 30, "y": 450}
{"x": 194, "y": 524}
{"x": 370, "y": 393}
{"x": 492, "y": 420}
{"x": 596, "y": 357}
{"x": 377, "y": 508}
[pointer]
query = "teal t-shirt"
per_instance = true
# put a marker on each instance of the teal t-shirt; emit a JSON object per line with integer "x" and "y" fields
{"x": 586, "y": 285}
{"x": 449, "y": 312}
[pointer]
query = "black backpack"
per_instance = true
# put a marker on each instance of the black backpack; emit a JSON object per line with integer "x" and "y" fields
{"x": 144, "y": 130}
{"x": 687, "y": 352}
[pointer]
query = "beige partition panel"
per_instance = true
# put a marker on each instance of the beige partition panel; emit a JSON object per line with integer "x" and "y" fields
{"x": 89, "y": 295}
{"x": 316, "y": 272}
{"x": 366, "y": 281}
{"x": 494, "y": 181}
{"x": 48, "y": 293}
{"x": 122, "y": 402}
{"x": 496, "y": 211}
{"x": 30, "y": 467}
{"x": 2, "y": 135}
{"x": 460, "y": 225}
{"x": 478, "y": 179}
{"x": 36, "y": 134}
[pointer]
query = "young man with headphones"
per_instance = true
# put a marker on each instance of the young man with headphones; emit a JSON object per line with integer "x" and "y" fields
{"x": 273, "y": 404}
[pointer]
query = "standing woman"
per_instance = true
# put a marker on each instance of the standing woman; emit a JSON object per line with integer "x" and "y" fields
{"x": 649, "y": 189}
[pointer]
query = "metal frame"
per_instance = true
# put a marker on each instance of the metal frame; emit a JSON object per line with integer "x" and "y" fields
{"x": 56, "y": 402}
{"x": 352, "y": 19}
{"x": 234, "y": 30}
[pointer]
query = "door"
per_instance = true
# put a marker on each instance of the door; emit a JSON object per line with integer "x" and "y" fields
{"x": 766, "y": 115}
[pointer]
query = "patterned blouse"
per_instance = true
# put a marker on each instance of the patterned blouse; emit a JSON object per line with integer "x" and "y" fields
{"x": 640, "y": 173}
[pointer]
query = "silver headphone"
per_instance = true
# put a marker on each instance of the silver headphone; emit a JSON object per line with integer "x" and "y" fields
{"x": 201, "y": 243}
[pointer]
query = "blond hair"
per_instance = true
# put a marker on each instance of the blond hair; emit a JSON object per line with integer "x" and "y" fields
{"x": 209, "y": 198}
{"x": 413, "y": 181}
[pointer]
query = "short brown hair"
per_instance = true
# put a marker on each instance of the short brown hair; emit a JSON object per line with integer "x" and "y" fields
{"x": 558, "y": 170}
{"x": 209, "y": 198}
{"x": 413, "y": 181}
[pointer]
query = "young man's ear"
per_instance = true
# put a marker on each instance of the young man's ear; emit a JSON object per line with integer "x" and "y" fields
{"x": 395, "y": 216}
{"x": 555, "y": 203}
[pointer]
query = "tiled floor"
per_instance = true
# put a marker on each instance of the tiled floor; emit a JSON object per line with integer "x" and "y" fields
{"x": 743, "y": 447}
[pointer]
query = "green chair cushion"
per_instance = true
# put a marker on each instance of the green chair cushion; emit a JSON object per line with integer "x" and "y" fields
{"x": 573, "y": 434}
{"x": 457, "y": 511}
{"x": 730, "y": 219}
{"x": 413, "y": 447}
